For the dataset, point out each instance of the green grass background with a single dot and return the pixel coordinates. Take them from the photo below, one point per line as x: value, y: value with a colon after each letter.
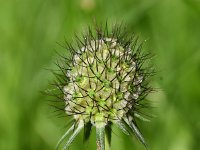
x: 29, y: 30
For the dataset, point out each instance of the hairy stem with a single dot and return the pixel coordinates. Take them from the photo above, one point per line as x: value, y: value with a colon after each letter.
x: 100, y: 138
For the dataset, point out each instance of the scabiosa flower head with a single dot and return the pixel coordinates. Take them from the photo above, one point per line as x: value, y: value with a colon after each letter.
x: 103, y: 82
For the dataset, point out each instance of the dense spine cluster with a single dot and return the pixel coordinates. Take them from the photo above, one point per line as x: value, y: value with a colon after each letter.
x: 104, y: 82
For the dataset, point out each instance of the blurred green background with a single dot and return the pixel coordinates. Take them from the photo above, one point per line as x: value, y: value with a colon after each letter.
x: 29, y: 30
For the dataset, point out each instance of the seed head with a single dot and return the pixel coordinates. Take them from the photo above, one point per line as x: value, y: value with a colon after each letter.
x: 104, y: 82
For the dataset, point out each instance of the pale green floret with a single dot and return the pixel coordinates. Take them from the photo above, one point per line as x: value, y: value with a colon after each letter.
x: 102, y: 102
x: 99, y: 120
x: 91, y: 93
x: 102, y: 83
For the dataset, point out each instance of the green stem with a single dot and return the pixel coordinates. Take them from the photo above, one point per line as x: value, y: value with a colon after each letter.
x: 100, y: 138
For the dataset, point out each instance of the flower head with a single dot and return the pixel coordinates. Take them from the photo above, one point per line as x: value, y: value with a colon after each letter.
x: 104, y: 82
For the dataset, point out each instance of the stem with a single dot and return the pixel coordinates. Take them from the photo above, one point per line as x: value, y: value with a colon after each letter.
x: 100, y: 138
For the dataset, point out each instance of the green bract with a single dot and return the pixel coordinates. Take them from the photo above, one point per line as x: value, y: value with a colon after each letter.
x: 104, y: 82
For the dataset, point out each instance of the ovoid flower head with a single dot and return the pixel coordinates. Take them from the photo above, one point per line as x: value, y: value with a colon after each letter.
x: 103, y: 82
